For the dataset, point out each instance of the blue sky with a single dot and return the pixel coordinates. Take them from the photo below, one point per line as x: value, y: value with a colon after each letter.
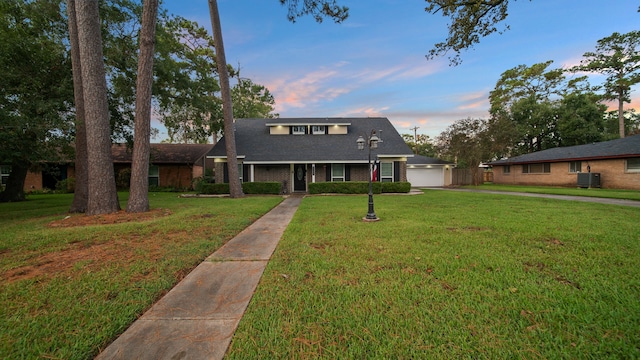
x: 374, y: 63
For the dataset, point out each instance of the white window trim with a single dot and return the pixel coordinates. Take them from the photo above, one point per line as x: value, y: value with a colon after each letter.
x: 633, y: 169
x: 156, y: 176
x: 318, y: 129
x: 338, y: 178
x: 572, y: 167
x: 295, y: 130
x: 387, y: 178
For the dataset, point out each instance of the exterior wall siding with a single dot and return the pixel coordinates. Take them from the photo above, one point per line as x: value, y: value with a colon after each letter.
x: 612, y: 175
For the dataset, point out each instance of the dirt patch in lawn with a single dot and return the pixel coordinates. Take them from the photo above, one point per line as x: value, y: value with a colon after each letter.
x: 87, y: 256
x: 106, y: 219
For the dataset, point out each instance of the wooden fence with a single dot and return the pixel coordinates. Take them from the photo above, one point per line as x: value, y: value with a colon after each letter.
x: 465, y: 176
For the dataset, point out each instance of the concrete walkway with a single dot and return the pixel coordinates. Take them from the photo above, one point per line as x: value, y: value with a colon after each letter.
x: 622, y: 202
x: 197, y: 318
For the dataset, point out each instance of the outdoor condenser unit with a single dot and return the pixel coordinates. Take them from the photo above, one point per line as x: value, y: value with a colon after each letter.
x: 589, y: 179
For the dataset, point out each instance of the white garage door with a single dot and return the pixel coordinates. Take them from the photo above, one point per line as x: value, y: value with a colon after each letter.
x: 422, y: 177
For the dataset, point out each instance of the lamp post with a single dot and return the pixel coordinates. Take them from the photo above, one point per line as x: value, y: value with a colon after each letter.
x: 371, y: 143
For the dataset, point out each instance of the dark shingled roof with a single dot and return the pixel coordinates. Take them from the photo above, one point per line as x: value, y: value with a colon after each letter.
x: 425, y: 160
x: 164, y: 153
x: 614, y: 149
x: 257, y: 145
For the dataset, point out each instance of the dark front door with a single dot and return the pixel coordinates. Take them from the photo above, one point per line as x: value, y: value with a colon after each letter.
x: 300, y: 177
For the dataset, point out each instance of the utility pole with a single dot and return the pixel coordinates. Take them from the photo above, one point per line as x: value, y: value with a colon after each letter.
x: 415, y: 139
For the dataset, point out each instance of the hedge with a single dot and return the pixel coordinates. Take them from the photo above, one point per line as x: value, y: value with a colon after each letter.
x: 248, y: 188
x: 358, y: 187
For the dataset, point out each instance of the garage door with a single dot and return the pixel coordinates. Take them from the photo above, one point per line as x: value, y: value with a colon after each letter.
x: 425, y: 177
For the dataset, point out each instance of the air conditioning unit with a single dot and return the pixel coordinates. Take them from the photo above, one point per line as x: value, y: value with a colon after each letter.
x: 589, y: 180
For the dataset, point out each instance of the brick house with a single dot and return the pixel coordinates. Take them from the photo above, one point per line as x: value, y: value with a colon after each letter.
x: 616, y: 163
x: 299, y: 151
x: 171, y: 165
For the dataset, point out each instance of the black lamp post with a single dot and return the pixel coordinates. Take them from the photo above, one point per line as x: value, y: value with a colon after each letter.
x: 372, y: 143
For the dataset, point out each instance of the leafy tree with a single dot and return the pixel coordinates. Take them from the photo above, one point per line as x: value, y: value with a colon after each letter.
x: 252, y: 100
x: 465, y: 142
x: 319, y: 9
x: 421, y: 144
x: 535, y: 123
x: 470, y: 21
x: 35, y: 89
x: 618, y: 58
x: 580, y: 119
x: 138, y: 196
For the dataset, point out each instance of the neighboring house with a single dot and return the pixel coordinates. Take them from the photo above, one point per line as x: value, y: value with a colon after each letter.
x: 617, y: 163
x: 170, y: 165
x: 423, y: 171
x: 299, y: 151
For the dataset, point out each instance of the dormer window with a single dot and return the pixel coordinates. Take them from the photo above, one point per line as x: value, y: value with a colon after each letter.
x: 318, y: 129
x: 298, y: 130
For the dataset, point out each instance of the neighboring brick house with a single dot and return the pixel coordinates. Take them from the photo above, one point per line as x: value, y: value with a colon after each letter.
x: 299, y: 151
x: 616, y: 161
x: 170, y: 165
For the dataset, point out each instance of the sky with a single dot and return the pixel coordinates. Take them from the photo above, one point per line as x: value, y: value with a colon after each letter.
x: 374, y: 63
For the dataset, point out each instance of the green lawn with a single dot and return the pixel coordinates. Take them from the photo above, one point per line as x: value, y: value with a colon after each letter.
x: 593, y: 192
x: 66, y: 292
x: 449, y: 275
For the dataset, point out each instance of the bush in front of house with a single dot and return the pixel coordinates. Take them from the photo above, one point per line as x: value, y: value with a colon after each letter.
x: 267, y: 187
x: 358, y: 187
x: 262, y: 188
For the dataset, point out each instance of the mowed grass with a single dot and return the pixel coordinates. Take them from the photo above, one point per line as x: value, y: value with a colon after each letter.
x: 449, y: 275
x: 67, y: 292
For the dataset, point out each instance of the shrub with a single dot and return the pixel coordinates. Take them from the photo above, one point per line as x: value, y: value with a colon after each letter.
x: 66, y: 186
x: 358, y: 187
x: 261, y: 188
x: 207, y: 188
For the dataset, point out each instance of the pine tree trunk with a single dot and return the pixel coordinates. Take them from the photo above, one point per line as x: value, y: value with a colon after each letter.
x: 621, y: 113
x: 103, y: 197
x: 139, y: 189
x: 235, y: 188
x: 80, y: 194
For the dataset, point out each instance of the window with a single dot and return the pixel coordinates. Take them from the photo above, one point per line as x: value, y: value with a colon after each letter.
x: 386, y: 172
x: 154, y: 175
x: 4, y: 175
x: 633, y: 165
x: 575, y: 166
x: 298, y: 130
x: 337, y: 172
x: 241, y: 172
x: 538, y: 168
x: 318, y: 129
x: 506, y: 169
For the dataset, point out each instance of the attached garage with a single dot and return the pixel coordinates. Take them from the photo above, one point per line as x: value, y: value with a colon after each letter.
x: 424, y: 171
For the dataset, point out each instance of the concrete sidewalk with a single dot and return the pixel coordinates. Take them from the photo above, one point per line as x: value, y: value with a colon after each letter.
x: 622, y: 202
x: 197, y: 318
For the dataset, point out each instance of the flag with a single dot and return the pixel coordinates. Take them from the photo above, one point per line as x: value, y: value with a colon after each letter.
x: 374, y: 172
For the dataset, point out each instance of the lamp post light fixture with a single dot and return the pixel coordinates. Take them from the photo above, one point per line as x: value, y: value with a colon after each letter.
x: 371, y: 143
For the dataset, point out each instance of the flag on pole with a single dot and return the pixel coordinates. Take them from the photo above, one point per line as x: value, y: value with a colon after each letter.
x: 374, y: 172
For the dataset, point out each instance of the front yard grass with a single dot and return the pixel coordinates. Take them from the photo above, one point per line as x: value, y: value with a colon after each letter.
x: 574, y: 191
x: 68, y: 291
x: 449, y: 275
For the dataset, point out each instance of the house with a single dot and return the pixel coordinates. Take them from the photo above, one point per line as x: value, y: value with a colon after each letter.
x: 423, y: 171
x: 299, y: 151
x: 617, y: 163
x: 171, y: 165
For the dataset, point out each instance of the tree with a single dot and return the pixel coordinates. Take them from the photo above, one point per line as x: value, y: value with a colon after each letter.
x: 139, y: 188
x: 618, y: 58
x: 235, y: 187
x: 103, y: 197
x: 421, y: 144
x: 81, y: 191
x: 470, y: 21
x: 465, y: 142
x: 252, y: 100
x: 36, y: 91
x: 580, y: 119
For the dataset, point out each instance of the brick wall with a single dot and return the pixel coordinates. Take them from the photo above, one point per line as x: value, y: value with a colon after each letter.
x: 612, y: 175
x: 33, y: 181
x: 177, y: 176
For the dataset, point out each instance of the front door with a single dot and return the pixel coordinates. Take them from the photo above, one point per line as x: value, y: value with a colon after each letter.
x: 300, y: 177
